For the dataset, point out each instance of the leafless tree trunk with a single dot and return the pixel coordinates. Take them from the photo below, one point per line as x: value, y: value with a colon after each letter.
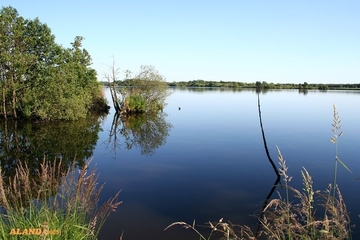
x: 112, y: 78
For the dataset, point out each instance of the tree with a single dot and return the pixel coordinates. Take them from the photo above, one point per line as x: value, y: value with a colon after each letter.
x: 145, y: 92
x: 258, y: 84
x: 112, y: 78
x: 15, y: 58
x: 323, y: 87
x: 151, y: 88
x: 39, y: 78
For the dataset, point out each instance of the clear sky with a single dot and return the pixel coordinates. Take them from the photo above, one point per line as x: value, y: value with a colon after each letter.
x: 317, y: 41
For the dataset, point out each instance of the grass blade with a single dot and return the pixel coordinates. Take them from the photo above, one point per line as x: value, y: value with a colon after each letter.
x: 342, y: 163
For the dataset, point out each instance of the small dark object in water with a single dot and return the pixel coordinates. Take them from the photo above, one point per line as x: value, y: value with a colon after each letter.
x: 179, y: 108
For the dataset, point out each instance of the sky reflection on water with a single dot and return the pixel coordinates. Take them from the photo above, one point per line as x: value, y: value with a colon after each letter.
x: 214, y: 165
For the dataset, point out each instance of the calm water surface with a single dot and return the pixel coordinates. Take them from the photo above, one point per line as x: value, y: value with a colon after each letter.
x: 211, y: 162
x: 204, y: 162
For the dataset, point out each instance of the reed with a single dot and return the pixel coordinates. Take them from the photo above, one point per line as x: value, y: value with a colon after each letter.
x: 297, y: 219
x: 41, y: 208
x: 227, y: 231
x: 335, y: 139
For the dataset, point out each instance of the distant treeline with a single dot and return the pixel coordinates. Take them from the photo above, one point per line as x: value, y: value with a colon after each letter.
x: 264, y: 85
x: 258, y: 84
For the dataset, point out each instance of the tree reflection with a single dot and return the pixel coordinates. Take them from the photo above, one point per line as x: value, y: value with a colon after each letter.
x: 30, y: 143
x: 145, y: 131
x: 303, y: 91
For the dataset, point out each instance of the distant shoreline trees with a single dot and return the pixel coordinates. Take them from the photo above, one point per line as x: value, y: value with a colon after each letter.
x: 265, y: 85
x: 41, y: 79
x: 262, y: 85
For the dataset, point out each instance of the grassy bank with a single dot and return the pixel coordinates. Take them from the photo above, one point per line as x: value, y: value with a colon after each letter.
x: 52, y: 203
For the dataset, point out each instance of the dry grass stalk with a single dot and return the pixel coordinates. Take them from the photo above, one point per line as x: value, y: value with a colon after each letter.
x: 18, y: 192
x: 287, y: 220
x: 227, y: 231
x: 79, y: 192
x: 284, y: 219
x: 33, y: 198
x: 336, y: 126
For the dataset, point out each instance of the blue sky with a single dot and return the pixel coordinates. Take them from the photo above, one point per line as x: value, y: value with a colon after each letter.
x: 274, y: 41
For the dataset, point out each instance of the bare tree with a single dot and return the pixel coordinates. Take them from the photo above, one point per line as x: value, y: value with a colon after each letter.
x: 112, y: 77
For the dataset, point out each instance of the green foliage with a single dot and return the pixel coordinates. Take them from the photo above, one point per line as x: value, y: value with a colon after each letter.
x: 136, y: 103
x: 323, y: 87
x: 39, y: 78
x: 151, y: 86
x: 145, y: 92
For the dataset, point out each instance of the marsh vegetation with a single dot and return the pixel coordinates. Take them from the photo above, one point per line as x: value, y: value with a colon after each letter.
x: 54, y: 202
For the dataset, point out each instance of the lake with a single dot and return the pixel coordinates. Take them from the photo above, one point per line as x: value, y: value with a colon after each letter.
x: 213, y: 164
x: 207, y: 160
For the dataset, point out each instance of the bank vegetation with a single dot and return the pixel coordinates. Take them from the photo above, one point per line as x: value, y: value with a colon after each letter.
x: 39, y: 78
x: 58, y: 202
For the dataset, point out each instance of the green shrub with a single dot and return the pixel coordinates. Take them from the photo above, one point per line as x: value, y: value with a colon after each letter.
x: 136, y: 103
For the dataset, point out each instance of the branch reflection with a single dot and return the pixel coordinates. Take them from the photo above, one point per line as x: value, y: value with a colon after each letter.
x: 277, y: 180
x: 144, y: 131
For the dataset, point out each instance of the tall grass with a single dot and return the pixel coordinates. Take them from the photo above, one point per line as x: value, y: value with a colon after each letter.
x: 298, y: 219
x: 39, y: 208
x: 335, y: 139
x: 298, y: 214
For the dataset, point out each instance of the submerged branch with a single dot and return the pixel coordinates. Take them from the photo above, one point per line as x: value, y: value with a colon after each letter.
x: 265, y: 145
